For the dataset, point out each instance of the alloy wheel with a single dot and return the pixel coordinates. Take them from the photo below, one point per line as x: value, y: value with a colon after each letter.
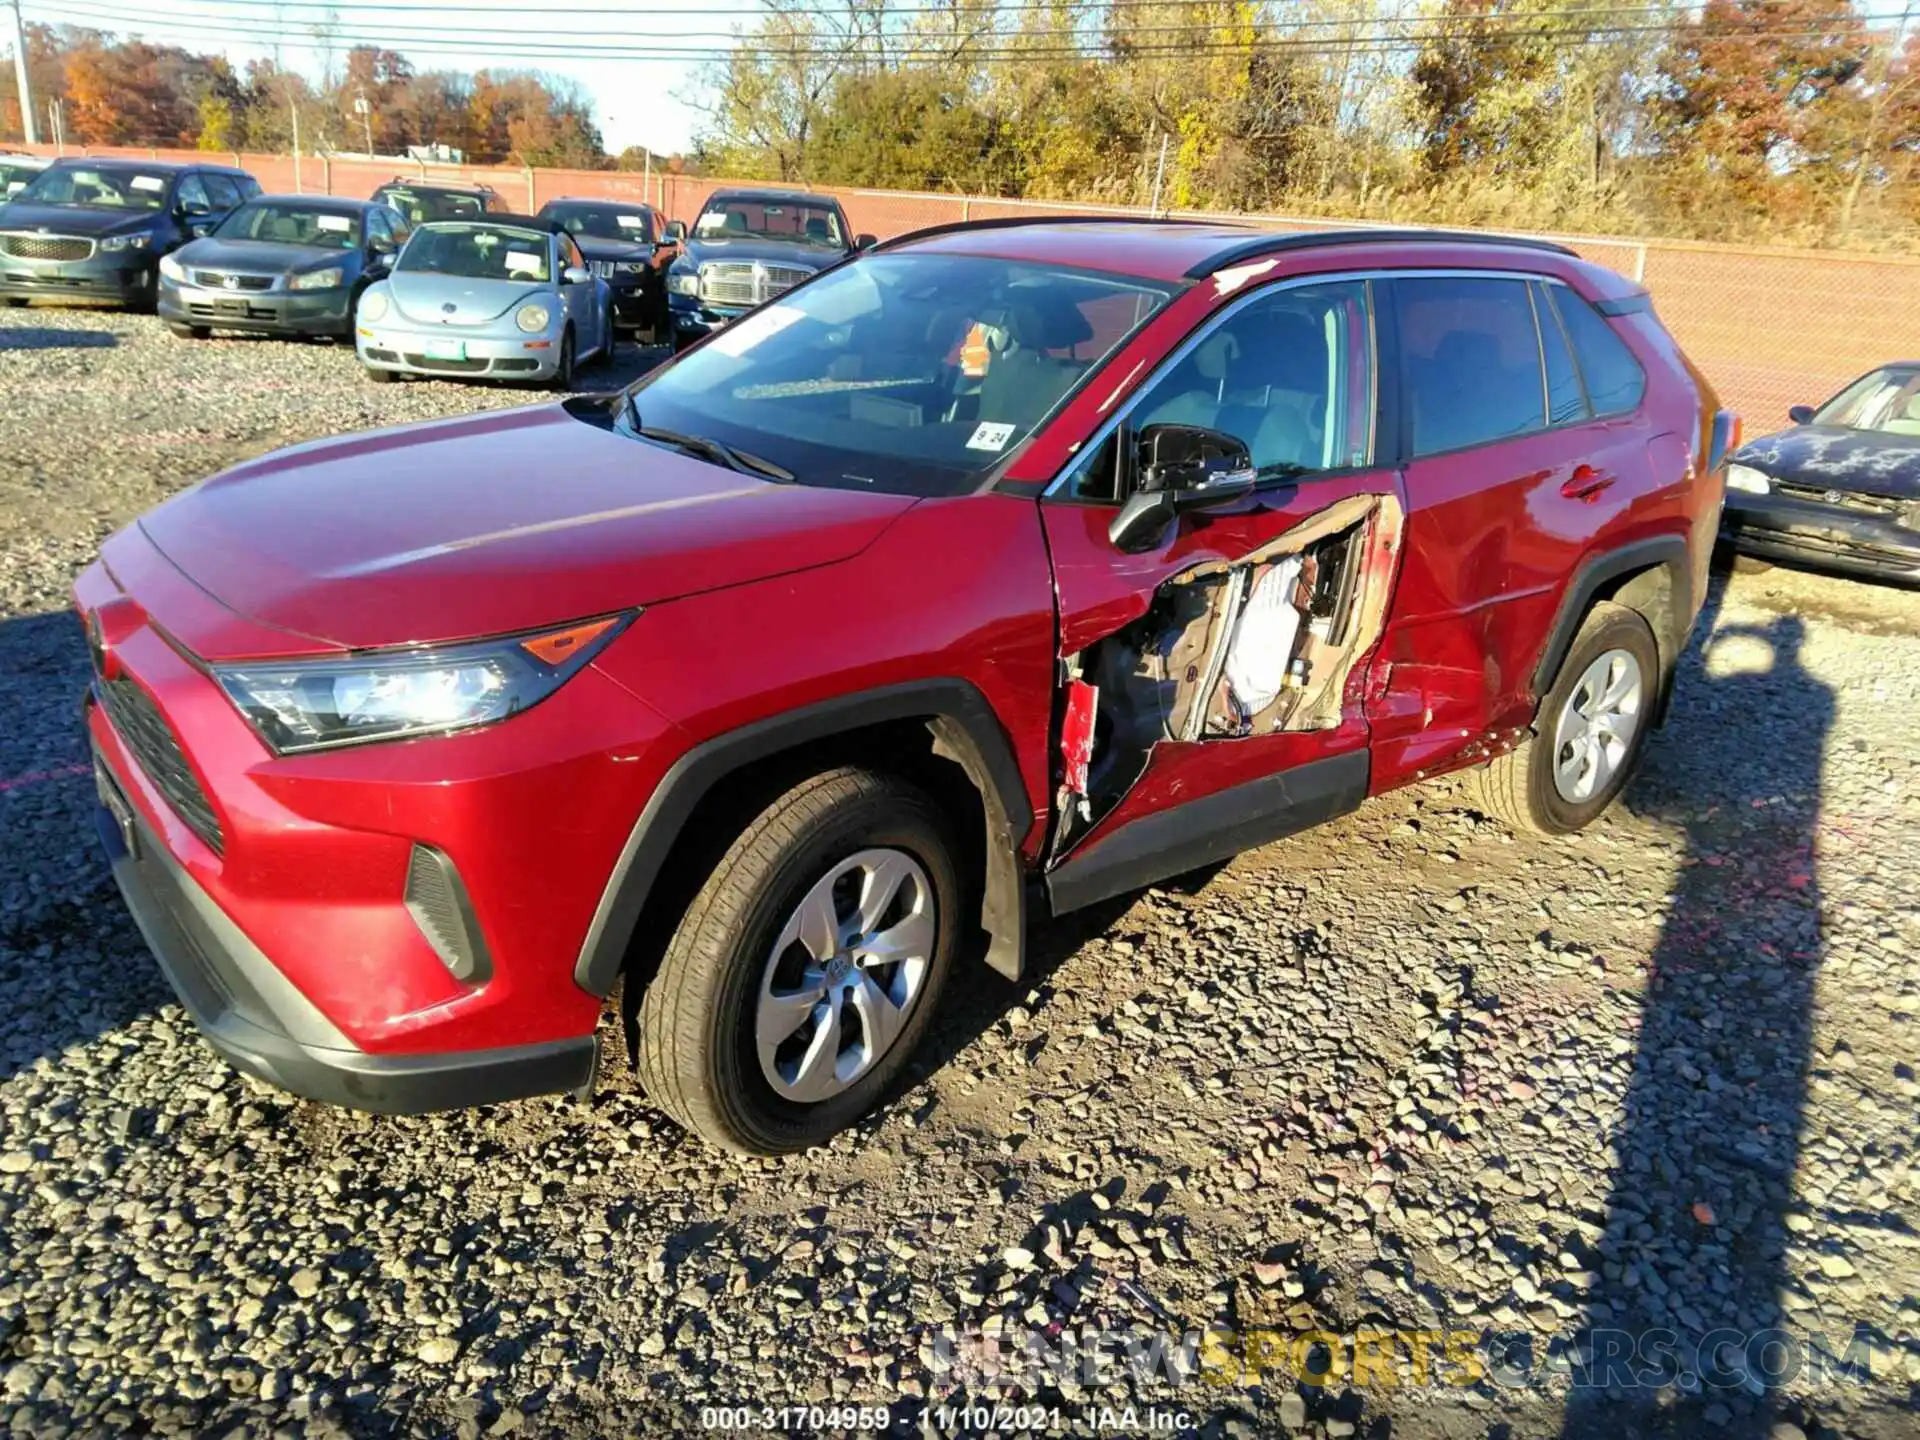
x: 844, y: 974
x: 1596, y: 729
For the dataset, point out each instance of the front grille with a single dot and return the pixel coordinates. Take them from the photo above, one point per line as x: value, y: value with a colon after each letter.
x: 46, y: 247
x: 737, y: 282
x: 231, y: 310
x: 222, y: 280
x: 145, y: 732
x: 451, y: 367
x: 1839, y: 499
x: 605, y: 269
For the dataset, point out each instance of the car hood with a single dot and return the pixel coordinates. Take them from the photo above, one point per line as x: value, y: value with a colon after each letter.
x: 773, y: 252
x: 596, y: 248
x: 487, y: 525
x: 258, y: 257
x: 1833, y: 457
x: 76, y: 219
x: 429, y: 299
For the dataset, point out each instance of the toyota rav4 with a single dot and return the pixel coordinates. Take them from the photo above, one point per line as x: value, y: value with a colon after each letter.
x: 994, y: 572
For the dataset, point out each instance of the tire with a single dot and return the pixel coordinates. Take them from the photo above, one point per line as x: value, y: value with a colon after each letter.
x: 603, y: 357
x: 1521, y: 787
x: 698, y: 1050
x: 17, y: 302
x: 188, y: 332
x: 379, y: 376
x: 563, y: 374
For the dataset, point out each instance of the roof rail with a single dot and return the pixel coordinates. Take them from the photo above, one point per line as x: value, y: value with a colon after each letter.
x: 1314, y: 239
x: 1010, y: 222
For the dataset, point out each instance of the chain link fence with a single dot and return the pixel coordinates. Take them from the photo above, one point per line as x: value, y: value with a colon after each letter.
x: 1769, y: 327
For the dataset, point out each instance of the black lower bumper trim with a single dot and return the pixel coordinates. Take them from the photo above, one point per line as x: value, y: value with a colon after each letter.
x: 217, y: 974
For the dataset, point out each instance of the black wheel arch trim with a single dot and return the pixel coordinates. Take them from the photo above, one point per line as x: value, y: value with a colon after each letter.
x: 1668, y: 552
x: 964, y: 728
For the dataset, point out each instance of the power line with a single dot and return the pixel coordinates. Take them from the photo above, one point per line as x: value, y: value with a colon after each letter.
x: 1004, y: 46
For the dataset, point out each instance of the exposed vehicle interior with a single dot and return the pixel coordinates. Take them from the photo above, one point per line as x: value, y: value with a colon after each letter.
x: 729, y: 218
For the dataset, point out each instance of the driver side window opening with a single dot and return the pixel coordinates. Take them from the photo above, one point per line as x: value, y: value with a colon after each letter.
x: 1289, y: 374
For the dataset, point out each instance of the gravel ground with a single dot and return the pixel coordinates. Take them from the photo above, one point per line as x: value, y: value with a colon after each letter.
x: 1407, y: 1072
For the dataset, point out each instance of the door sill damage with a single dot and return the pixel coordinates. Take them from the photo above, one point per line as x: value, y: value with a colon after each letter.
x: 1230, y: 650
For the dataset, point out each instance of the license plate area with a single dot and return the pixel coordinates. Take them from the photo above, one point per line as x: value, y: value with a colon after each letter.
x: 118, y: 806
x: 445, y: 350
x: 230, y: 307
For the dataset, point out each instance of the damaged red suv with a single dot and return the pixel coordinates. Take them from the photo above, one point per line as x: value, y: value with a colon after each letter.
x: 997, y: 571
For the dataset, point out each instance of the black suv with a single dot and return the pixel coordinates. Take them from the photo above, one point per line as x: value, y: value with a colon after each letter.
x: 749, y: 246
x: 420, y: 202
x: 96, y: 229
x: 627, y: 246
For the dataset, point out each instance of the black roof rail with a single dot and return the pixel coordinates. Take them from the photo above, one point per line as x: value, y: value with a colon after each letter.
x: 1010, y: 222
x: 1314, y: 239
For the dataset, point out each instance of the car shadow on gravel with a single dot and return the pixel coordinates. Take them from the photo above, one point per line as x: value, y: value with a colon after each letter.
x: 54, y: 337
x: 72, y: 966
x: 1692, y: 1280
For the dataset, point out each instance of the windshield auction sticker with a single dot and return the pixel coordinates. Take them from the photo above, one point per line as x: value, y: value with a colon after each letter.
x: 989, y: 435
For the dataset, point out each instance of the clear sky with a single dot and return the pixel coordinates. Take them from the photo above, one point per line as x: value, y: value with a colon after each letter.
x: 613, y: 48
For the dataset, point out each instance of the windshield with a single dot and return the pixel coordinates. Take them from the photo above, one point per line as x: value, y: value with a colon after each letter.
x: 422, y: 205
x: 478, y: 252
x: 603, y: 222
x: 103, y: 188
x: 738, y: 218
x: 14, y: 177
x: 1887, y: 400
x: 279, y: 223
x: 908, y: 373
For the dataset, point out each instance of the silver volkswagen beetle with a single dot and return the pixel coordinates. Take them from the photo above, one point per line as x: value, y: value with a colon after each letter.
x: 499, y: 297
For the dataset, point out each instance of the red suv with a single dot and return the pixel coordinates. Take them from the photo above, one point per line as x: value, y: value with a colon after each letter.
x: 994, y: 572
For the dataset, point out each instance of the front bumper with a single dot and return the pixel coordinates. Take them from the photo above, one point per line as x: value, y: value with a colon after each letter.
x: 403, y: 349
x: 1783, y: 527
x: 259, y: 1023
x: 275, y: 312
x: 115, y: 278
x: 694, y: 320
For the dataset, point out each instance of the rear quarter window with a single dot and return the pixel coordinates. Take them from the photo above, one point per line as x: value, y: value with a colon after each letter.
x: 1615, y: 381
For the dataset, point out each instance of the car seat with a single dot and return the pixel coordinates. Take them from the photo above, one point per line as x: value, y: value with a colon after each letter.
x: 1457, y: 394
x: 1906, y: 421
x: 1287, y: 424
x: 1199, y: 385
x: 734, y: 224
x: 1023, y: 381
x: 816, y: 229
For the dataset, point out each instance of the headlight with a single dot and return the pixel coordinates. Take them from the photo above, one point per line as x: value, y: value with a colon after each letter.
x: 1745, y: 477
x: 373, y: 306
x: 327, y: 279
x: 172, y: 268
x: 299, y: 705
x: 684, y: 282
x: 115, y: 243
x: 532, y: 318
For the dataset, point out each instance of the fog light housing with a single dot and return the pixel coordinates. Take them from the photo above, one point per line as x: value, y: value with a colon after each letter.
x: 438, y: 903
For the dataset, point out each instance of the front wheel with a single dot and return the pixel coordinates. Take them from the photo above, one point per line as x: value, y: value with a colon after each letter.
x: 564, y: 370
x: 807, y: 968
x: 1591, y: 729
x: 379, y: 376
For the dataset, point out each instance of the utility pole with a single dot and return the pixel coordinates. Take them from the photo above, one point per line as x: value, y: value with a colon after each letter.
x: 29, y: 122
x: 365, y: 107
x: 1159, y: 171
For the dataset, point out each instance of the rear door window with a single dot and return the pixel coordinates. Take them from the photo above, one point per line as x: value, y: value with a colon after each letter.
x: 1566, y: 398
x: 1470, y: 360
x: 1615, y: 381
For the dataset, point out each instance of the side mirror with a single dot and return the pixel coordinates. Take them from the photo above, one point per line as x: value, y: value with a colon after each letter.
x: 864, y: 242
x: 676, y: 231
x: 1800, y: 414
x: 1180, y: 468
x: 575, y: 275
x: 380, y: 246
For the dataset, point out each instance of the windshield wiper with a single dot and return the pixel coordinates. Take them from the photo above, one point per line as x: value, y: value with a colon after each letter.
x: 741, y: 460
x: 1281, y: 470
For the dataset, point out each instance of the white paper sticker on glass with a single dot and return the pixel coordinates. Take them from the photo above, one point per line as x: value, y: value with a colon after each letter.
x: 988, y: 435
